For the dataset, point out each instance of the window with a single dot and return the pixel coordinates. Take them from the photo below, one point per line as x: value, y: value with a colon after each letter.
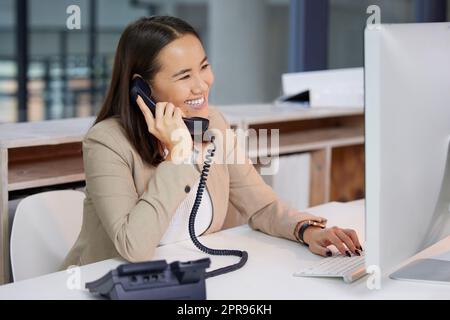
x: 8, y: 85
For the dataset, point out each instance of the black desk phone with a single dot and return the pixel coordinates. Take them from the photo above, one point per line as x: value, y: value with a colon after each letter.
x: 154, y: 280
x: 157, y: 279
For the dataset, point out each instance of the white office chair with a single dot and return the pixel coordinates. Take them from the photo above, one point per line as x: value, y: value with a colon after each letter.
x: 45, y: 227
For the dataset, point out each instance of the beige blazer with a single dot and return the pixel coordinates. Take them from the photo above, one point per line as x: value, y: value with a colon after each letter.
x: 129, y: 204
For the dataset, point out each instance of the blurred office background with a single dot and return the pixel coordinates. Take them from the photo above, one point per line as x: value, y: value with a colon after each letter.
x: 48, y: 71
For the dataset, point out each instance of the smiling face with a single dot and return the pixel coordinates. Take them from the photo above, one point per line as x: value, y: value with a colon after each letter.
x: 185, y: 76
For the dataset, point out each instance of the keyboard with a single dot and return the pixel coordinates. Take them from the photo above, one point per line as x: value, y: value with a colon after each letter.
x: 339, y: 266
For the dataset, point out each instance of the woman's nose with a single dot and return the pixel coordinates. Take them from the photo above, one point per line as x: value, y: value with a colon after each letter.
x: 200, y: 86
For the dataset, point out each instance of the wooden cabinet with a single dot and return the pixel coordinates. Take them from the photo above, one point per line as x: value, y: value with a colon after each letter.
x: 334, y: 137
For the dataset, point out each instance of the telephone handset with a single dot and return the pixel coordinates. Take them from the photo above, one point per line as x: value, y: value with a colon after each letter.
x: 140, y: 88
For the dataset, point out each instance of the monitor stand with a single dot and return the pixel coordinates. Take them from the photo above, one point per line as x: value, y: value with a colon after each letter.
x: 425, y: 270
x: 434, y: 269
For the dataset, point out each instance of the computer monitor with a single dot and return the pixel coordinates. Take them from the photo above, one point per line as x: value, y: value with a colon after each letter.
x: 407, y: 124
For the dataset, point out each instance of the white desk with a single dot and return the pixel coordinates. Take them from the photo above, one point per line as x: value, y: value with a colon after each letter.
x: 267, y: 274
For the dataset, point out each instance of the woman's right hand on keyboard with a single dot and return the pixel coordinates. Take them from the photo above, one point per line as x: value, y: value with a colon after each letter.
x: 345, y: 240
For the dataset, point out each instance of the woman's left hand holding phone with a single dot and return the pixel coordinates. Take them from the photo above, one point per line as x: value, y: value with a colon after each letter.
x: 168, y: 127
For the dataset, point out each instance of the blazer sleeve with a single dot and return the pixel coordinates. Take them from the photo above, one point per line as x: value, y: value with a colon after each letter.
x: 257, y: 201
x: 134, y: 223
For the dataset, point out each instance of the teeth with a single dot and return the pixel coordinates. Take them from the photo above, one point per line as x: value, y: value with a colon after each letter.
x: 196, y: 101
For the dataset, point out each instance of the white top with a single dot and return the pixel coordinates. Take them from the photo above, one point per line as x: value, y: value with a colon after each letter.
x: 178, y: 229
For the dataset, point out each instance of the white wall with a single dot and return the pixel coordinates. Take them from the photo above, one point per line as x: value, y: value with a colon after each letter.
x: 248, y: 49
x: 237, y: 50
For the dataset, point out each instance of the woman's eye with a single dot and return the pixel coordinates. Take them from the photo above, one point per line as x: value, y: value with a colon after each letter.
x: 187, y: 76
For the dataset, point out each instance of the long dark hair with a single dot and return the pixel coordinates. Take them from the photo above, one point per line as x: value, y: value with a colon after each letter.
x: 138, y: 47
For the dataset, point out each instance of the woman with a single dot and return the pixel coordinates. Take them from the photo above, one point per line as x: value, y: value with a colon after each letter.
x: 137, y: 196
